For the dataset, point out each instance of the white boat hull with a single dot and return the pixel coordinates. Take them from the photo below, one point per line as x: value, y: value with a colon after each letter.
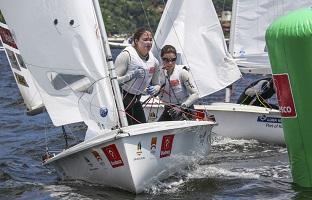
x: 246, y: 122
x: 134, y: 159
x: 236, y: 120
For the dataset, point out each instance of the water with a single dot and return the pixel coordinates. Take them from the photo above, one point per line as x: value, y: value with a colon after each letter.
x: 235, y: 169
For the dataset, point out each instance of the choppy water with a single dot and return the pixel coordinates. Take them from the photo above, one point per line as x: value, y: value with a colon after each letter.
x: 235, y: 169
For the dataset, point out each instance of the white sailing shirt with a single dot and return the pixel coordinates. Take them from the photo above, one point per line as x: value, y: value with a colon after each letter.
x: 174, y: 91
x: 150, y: 66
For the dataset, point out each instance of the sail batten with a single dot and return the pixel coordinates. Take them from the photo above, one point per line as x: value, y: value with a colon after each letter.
x: 64, y: 52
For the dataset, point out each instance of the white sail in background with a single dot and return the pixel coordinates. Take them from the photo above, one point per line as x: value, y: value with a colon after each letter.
x: 250, y: 19
x: 200, y: 42
x: 23, y: 78
x: 64, y: 53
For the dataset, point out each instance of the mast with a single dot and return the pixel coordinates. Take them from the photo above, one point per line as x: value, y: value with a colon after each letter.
x: 111, y: 68
x: 233, y: 26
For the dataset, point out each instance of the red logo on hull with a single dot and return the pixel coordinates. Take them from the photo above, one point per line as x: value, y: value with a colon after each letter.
x: 284, y: 95
x: 166, y: 145
x: 113, y: 155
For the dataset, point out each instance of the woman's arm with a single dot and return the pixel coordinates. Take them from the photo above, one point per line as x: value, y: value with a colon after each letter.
x: 121, y: 65
x: 191, y: 88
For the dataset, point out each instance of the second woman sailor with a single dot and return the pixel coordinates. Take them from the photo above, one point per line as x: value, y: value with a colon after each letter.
x: 179, y: 92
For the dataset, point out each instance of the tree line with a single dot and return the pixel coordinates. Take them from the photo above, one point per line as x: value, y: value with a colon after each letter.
x: 124, y: 16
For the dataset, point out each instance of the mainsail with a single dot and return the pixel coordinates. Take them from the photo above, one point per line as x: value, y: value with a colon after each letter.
x: 200, y: 42
x: 250, y: 19
x: 65, y: 56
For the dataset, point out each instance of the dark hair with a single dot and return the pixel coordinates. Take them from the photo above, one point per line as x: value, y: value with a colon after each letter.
x: 139, y: 32
x: 168, y: 49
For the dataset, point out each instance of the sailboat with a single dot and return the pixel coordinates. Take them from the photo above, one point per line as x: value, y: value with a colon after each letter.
x: 65, y: 47
x: 23, y: 78
x: 194, y: 29
x: 250, y: 19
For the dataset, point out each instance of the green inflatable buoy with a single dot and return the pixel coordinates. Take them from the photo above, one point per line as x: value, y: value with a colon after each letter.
x: 289, y: 42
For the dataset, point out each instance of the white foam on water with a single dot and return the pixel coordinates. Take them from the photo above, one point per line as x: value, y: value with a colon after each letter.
x: 176, y: 183
x: 64, y: 192
x: 216, y: 172
x: 220, y: 140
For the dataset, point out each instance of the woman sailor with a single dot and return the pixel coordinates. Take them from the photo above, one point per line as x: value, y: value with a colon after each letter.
x: 179, y: 91
x: 138, y: 71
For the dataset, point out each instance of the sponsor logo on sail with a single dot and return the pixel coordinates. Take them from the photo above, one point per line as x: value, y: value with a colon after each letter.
x: 7, y: 37
x: 285, y: 96
x: 113, y: 155
x: 166, y: 145
x: 103, y: 111
x: 153, y: 144
x: 21, y: 79
x: 12, y: 59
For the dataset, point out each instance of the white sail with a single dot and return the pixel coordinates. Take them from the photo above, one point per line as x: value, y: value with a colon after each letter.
x: 64, y: 52
x: 23, y: 78
x: 200, y: 42
x: 250, y: 19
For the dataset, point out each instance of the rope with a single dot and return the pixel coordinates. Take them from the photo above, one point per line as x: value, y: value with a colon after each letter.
x: 263, y: 102
x: 146, y: 15
x: 132, y: 117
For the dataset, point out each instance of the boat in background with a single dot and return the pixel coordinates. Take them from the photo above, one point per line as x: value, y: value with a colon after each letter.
x: 24, y: 80
x: 201, y: 46
x: 250, y: 19
x: 257, y: 123
x: 65, y: 48
x: 120, y: 43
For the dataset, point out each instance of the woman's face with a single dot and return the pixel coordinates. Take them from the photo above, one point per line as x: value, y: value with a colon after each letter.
x: 144, y: 44
x: 169, y: 61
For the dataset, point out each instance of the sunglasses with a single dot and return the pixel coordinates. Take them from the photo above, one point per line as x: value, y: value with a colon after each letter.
x: 169, y: 59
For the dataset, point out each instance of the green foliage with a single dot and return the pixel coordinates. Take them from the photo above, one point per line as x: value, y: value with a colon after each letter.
x: 124, y: 16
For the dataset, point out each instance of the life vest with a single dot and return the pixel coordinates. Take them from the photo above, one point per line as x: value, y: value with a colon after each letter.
x: 174, y: 91
x: 136, y: 86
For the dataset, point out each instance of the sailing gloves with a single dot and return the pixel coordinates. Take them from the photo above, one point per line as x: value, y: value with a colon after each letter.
x: 138, y: 73
x: 177, y: 112
x: 152, y: 89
